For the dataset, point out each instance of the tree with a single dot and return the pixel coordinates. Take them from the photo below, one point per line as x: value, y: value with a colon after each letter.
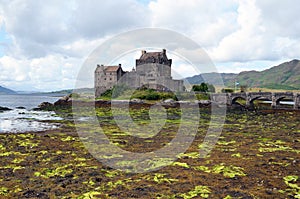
x: 203, y: 87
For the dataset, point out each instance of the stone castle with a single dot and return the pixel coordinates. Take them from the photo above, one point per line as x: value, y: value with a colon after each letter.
x: 153, y: 70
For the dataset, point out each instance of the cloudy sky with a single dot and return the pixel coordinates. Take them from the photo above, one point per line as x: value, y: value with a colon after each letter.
x: 44, y: 44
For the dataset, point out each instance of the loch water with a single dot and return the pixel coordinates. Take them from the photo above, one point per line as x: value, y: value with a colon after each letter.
x: 22, y: 118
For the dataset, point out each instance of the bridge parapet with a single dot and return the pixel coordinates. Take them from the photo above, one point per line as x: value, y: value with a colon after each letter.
x: 250, y: 97
x: 259, y: 95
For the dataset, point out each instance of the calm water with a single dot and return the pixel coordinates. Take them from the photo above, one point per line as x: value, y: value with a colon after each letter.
x: 21, y: 120
x: 27, y: 101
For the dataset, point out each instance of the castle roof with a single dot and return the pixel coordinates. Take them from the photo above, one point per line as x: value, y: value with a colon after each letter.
x: 154, y: 57
x: 148, y: 55
x: 112, y: 68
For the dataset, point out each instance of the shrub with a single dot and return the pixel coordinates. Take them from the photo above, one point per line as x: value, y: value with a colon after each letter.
x: 227, y: 90
x: 204, y: 87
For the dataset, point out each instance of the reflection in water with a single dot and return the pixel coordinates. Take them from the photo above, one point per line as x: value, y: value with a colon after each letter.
x: 17, y: 120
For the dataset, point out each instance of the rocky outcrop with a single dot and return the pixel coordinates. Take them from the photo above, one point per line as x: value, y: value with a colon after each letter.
x: 4, y: 109
x: 44, y: 106
x: 64, y: 101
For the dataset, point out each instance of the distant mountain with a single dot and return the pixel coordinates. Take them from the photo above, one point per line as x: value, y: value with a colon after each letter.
x: 69, y: 91
x: 211, y: 78
x: 284, y: 76
x: 4, y: 90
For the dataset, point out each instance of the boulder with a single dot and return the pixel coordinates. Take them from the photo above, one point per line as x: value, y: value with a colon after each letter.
x: 136, y: 101
x: 44, y: 106
x: 64, y: 101
x: 169, y: 101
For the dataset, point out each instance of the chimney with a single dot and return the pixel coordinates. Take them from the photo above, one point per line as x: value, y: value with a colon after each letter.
x: 164, y: 51
x: 143, y: 52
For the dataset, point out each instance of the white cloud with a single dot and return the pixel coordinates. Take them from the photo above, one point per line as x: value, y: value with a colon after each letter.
x: 48, y: 42
x: 40, y: 28
x: 47, y: 73
x: 204, y: 21
x: 260, y: 35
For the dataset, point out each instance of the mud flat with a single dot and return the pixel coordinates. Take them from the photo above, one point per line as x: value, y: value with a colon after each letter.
x: 256, y: 156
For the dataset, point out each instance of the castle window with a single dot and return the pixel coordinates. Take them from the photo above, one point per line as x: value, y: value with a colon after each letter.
x: 109, y: 78
x: 110, y: 73
x: 104, y: 78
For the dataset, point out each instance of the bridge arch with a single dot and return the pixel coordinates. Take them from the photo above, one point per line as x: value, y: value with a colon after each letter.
x: 234, y: 99
x: 266, y: 98
x: 275, y: 98
x: 279, y: 99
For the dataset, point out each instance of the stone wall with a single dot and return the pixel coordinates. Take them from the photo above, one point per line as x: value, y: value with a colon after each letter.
x: 152, y: 70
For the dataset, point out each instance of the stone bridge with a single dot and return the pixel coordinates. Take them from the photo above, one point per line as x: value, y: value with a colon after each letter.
x: 250, y: 97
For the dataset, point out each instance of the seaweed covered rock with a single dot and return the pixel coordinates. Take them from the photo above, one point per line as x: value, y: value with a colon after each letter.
x: 4, y: 109
x: 45, y: 106
x: 64, y: 101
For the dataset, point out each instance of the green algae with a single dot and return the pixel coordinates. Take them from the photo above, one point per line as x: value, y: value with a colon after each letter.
x: 181, y: 164
x: 160, y: 178
x: 90, y: 182
x: 293, y: 188
x: 4, y: 191
x: 2, y: 148
x: 273, y: 146
x: 18, y: 160
x: 111, y: 174
x: 59, y: 171
x: 68, y: 138
x: 112, y: 185
x: 13, y: 167
x: 238, y: 155
x: 8, y: 153
x: 228, y: 171
x: 192, y: 155
x: 225, y: 143
x: 202, y: 168
x: 202, y: 191
x: 91, y: 194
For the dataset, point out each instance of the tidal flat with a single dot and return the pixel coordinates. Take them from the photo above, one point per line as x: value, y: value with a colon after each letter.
x: 256, y: 156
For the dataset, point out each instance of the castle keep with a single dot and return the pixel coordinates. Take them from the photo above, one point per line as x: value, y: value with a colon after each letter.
x: 152, y: 70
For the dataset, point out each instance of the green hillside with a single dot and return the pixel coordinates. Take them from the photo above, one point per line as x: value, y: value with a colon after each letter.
x: 284, y: 76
